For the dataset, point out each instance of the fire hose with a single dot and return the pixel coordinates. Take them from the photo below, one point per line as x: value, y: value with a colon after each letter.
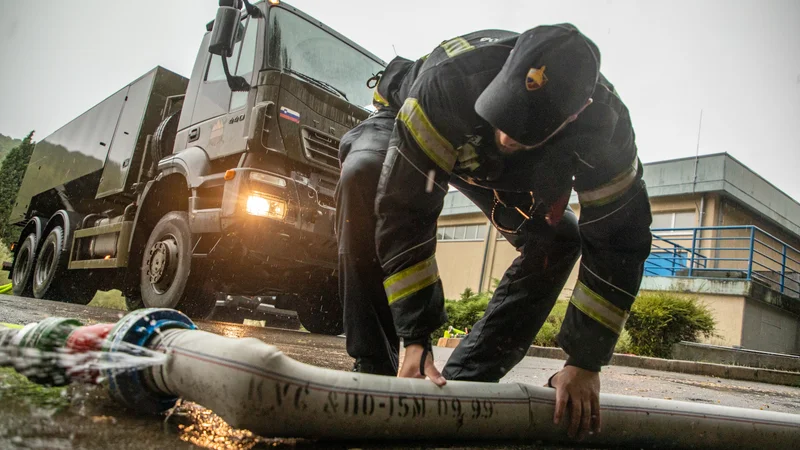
x: 253, y: 385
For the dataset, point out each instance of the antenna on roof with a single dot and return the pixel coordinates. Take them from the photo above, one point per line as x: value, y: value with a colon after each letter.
x: 697, y: 150
x: 699, y: 129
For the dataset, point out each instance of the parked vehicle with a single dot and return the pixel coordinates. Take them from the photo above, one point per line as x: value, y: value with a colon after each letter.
x: 212, y: 191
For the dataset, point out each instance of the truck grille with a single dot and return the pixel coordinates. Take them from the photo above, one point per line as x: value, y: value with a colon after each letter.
x: 321, y: 148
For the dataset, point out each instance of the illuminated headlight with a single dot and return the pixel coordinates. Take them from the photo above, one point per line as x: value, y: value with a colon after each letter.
x: 259, y: 204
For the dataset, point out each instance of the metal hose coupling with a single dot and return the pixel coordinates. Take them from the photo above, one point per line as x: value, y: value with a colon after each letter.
x: 133, y: 388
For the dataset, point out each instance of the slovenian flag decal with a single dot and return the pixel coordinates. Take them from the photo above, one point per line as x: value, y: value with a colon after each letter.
x: 288, y: 114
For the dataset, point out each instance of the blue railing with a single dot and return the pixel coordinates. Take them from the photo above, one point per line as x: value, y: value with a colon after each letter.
x: 731, y: 253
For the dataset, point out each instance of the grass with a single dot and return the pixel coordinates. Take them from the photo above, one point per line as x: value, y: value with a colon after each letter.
x: 109, y: 299
x: 14, y: 386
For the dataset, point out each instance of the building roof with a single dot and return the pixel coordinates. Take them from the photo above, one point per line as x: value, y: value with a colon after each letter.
x: 720, y: 173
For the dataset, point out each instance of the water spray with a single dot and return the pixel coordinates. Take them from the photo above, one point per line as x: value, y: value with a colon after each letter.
x: 255, y: 386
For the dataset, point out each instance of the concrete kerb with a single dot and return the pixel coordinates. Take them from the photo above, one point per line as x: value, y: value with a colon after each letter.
x: 670, y: 365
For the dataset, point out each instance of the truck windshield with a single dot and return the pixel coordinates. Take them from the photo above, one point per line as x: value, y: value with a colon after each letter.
x: 301, y: 46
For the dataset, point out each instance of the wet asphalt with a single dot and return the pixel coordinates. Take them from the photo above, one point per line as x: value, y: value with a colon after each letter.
x: 94, y: 421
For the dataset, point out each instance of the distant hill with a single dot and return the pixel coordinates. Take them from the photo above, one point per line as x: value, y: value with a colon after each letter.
x: 6, y: 144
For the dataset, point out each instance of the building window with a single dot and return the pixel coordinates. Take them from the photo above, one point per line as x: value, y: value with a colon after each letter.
x: 461, y: 233
x: 672, y: 220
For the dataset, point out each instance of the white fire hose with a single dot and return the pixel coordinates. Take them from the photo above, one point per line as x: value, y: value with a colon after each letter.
x: 255, y: 386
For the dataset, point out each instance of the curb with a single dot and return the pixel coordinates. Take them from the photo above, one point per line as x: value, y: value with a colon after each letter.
x: 670, y: 365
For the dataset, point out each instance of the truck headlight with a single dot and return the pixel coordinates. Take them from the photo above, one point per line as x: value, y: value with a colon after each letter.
x: 259, y: 204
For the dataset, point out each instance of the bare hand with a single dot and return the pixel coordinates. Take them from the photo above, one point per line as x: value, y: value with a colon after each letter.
x: 578, y: 389
x: 410, y: 368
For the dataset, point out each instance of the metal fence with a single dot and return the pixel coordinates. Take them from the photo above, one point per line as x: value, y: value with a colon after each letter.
x: 730, y: 253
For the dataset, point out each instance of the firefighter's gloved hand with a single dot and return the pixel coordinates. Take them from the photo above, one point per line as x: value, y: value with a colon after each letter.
x: 579, y: 391
x: 418, y: 363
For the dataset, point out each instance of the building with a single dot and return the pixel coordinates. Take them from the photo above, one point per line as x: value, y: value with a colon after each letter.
x: 720, y: 232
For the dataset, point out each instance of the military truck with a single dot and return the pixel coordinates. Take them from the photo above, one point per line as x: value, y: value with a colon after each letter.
x: 204, y: 193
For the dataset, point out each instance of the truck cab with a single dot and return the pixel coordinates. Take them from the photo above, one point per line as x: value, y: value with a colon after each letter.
x: 226, y: 202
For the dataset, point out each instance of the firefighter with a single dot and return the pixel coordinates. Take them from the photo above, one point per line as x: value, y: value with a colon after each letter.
x: 368, y: 324
x: 515, y: 125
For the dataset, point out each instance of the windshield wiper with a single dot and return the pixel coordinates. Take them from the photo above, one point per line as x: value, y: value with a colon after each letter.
x: 320, y: 83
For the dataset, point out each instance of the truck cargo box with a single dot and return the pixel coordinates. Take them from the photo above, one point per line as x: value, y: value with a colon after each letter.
x: 103, y: 147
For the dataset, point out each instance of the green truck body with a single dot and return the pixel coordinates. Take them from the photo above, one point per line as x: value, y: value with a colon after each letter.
x: 188, y: 194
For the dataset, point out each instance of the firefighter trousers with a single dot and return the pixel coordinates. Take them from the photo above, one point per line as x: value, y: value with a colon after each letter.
x: 525, y: 295
x: 368, y: 323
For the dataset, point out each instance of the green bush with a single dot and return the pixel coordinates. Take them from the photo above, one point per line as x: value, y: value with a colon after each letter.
x: 463, y: 312
x: 547, y: 334
x: 624, y: 343
x: 657, y: 321
x: 660, y: 319
x: 468, y: 309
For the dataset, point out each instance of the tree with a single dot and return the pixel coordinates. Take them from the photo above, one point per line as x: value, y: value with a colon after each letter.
x: 11, y: 173
x: 6, y: 144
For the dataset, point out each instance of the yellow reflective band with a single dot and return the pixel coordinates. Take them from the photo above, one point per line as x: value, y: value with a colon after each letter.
x: 598, y: 308
x: 456, y: 46
x: 377, y: 97
x: 411, y: 280
x: 612, y: 190
x: 430, y: 141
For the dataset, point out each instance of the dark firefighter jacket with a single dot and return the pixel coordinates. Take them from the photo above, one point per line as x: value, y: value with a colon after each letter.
x: 438, y: 136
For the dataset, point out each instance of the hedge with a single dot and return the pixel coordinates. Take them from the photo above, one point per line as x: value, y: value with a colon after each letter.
x: 657, y: 321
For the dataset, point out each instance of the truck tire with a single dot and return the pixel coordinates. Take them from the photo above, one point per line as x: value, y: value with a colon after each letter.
x: 24, y: 263
x: 51, y: 279
x: 321, y: 313
x: 169, y: 277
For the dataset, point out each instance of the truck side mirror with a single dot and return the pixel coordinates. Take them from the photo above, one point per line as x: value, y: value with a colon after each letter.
x: 226, y: 31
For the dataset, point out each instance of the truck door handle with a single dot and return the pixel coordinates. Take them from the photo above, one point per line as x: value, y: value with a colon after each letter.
x: 194, y: 133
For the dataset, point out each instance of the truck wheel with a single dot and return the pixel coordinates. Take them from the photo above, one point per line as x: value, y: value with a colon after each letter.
x: 23, y: 267
x: 321, y: 313
x: 51, y: 278
x: 169, y: 279
x: 50, y: 265
x: 50, y: 271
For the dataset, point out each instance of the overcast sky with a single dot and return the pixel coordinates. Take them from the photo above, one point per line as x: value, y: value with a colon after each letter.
x: 737, y: 60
